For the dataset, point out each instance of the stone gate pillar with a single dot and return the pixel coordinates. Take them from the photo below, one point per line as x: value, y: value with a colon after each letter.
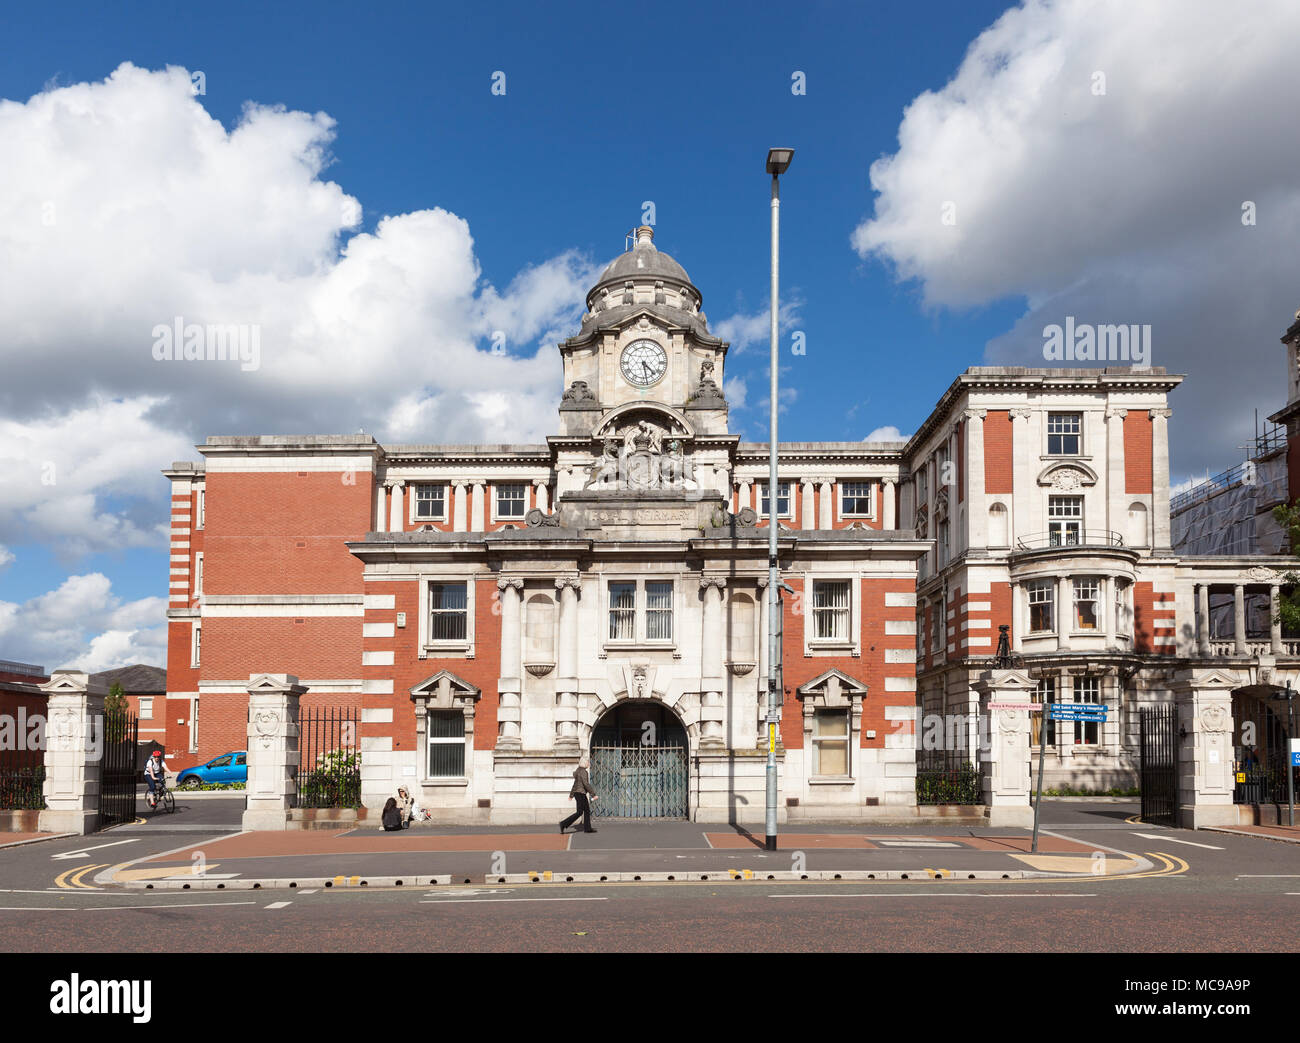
x: 273, y: 752
x: 1203, y: 699
x: 74, y: 752
x: 1004, y: 747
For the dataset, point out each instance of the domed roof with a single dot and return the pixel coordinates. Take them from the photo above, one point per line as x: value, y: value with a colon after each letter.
x: 643, y: 261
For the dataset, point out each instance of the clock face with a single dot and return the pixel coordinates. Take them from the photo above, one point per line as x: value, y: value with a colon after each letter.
x: 643, y: 363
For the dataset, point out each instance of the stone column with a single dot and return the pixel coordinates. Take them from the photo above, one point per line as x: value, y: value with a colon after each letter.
x: 1203, y: 619
x: 566, y: 680
x: 824, y: 515
x: 977, y: 515
x: 396, y: 514
x: 273, y: 752
x: 1028, y: 507
x: 887, y: 513
x: 1205, y: 769
x: 746, y: 497
x: 1239, y: 619
x: 1160, y: 477
x: 381, y: 508
x: 712, y: 681
x: 458, y: 523
x: 1064, y: 610
x: 510, y: 683
x: 1019, y: 616
x: 476, y: 508
x: 1113, y: 476
x: 1004, y: 752
x: 74, y: 752
x: 540, y: 485
x: 807, y: 518
x: 1275, y: 621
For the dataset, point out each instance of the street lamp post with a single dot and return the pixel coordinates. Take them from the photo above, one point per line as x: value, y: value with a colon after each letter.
x: 778, y: 161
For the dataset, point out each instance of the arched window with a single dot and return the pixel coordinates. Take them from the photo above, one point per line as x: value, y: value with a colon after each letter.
x: 539, y: 625
x: 740, y: 628
x: 999, y: 532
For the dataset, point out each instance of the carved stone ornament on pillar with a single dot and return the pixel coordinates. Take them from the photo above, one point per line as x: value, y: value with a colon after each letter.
x: 1004, y: 753
x: 73, y: 753
x: 273, y: 751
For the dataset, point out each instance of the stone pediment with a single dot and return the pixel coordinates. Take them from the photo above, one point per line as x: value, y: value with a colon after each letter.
x: 834, y: 687
x: 444, y: 691
x: 1067, y: 476
x: 676, y: 422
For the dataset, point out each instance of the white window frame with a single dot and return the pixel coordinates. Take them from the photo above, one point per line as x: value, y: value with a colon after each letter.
x: 429, y: 646
x: 198, y: 573
x: 196, y: 643
x: 1081, y: 727
x: 1047, y: 428
x: 201, y: 508
x: 870, y: 513
x: 1098, y: 608
x: 1030, y: 587
x: 1123, y: 607
x: 497, y: 516
x: 847, y: 738
x: 1046, y: 686
x: 431, y: 740
x: 828, y: 645
x: 145, y: 709
x: 414, y: 518
x: 640, y: 624
x: 789, y: 498
x: 1064, y: 519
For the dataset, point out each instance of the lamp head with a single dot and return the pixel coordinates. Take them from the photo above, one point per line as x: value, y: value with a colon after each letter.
x: 778, y: 160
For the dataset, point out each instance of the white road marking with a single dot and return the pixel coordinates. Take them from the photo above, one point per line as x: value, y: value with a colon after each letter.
x: 83, y: 852
x: 943, y: 894
x: 101, y: 908
x: 309, y: 891
x: 1171, y: 840
x: 449, y: 901
x: 1268, y: 876
x: 278, y: 905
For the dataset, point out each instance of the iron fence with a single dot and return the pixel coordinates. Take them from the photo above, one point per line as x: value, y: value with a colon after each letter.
x: 639, y: 781
x: 947, y: 777
x: 120, y: 777
x: 329, y: 765
x: 22, y: 780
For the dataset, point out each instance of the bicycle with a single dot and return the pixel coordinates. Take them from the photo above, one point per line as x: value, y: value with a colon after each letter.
x: 163, y: 796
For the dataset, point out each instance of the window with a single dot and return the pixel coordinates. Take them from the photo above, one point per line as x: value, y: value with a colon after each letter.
x: 1040, y: 605
x: 937, y: 644
x: 626, y: 597
x: 446, y: 729
x: 659, y: 611
x: 1046, y: 694
x: 922, y: 488
x: 198, y: 640
x: 1086, y: 596
x: 512, y: 501
x: 198, y: 573
x: 430, y: 502
x: 1063, y: 431
x: 1086, y: 690
x: 1065, y: 520
x: 831, y: 742
x: 1123, y: 615
x: 199, y: 523
x: 146, y: 707
x: 622, y: 611
x: 830, y: 610
x: 241, y: 760
x: 448, y: 612
x: 855, y: 500
x: 782, y: 500
x: 941, y: 542
x: 220, y: 762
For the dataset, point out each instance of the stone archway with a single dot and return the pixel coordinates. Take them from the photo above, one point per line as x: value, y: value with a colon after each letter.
x: 640, y: 761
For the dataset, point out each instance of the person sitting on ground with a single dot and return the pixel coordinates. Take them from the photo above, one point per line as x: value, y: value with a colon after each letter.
x: 406, y: 806
x: 392, y: 817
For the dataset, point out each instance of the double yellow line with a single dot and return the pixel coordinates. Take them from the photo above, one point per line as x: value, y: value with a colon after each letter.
x: 72, y: 878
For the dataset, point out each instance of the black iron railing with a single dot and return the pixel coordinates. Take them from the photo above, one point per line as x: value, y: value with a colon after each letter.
x: 1081, y: 538
x: 947, y: 778
x: 22, y: 781
x: 329, y: 765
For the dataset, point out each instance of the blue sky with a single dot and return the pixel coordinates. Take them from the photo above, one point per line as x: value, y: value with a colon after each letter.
x: 608, y: 107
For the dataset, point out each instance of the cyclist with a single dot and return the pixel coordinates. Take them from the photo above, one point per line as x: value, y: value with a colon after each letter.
x: 155, y: 774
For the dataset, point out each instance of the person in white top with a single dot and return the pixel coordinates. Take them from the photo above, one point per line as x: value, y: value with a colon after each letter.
x: 155, y: 773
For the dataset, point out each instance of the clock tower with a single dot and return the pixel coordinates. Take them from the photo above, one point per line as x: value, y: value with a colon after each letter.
x: 644, y: 341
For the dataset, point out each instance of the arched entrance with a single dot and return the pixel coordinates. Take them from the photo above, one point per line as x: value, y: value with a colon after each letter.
x: 639, y: 762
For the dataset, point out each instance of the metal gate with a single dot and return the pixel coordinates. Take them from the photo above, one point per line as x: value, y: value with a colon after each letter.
x: 639, y: 781
x: 1159, y: 768
x: 119, y: 778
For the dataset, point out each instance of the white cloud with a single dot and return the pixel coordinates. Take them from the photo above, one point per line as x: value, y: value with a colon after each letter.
x: 735, y: 390
x: 125, y: 205
x: 83, y: 624
x: 747, y: 329
x: 888, y: 433
x: 1122, y: 207
x: 6, y: 556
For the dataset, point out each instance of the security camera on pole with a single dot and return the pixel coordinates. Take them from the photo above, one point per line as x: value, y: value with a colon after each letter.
x: 778, y: 161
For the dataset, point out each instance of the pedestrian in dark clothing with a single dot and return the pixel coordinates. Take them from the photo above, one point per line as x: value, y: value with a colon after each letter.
x: 392, y: 817
x: 580, y: 791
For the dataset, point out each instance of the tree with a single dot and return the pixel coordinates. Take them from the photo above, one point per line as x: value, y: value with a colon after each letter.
x: 116, y: 710
x: 1288, y: 517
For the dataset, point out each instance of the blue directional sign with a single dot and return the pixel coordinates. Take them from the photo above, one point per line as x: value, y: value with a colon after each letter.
x: 1295, y: 758
x: 1087, y: 712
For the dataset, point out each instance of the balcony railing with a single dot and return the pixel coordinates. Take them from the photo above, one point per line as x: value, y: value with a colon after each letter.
x: 1254, y: 647
x: 1083, y: 538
